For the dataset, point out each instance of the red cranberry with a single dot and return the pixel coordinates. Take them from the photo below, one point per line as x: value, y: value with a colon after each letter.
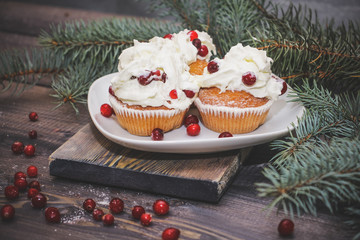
x: 89, y: 205
x: 225, y: 134
x: 191, y: 119
x: 111, y: 91
x: 52, y: 215
x: 33, y: 134
x: 161, y: 207
x: 98, y: 214
x: 163, y: 77
x: 11, y: 192
x: 156, y: 73
x: 193, y: 34
x: 32, y: 192
x: 249, y: 78
x: 145, y: 219
x: 106, y: 110
x: 29, y: 150
x: 284, y: 88
x: 157, y: 134
x: 170, y: 234
x: 19, y: 175
x: 108, y: 219
x: 7, y: 212
x: 21, y: 183
x: 137, y: 211
x: 197, y: 43
x: 212, y: 67
x: 173, y: 94
x: 144, y: 80
x: 17, y: 147
x: 168, y: 36
x: 189, y: 93
x: 203, y: 51
x: 193, y: 129
x: 116, y: 205
x: 33, y: 116
x: 32, y: 171
x: 35, y: 184
x: 38, y: 201
x: 286, y: 227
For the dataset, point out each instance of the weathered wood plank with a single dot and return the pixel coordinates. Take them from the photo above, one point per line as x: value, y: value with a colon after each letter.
x: 89, y: 156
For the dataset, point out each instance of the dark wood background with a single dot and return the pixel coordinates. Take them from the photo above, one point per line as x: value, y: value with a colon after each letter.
x: 238, y: 215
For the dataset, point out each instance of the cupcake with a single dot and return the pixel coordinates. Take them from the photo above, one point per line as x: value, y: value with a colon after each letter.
x: 196, y: 47
x: 237, y: 92
x: 153, y: 88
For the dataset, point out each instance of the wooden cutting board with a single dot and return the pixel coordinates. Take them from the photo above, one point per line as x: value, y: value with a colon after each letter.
x: 89, y: 156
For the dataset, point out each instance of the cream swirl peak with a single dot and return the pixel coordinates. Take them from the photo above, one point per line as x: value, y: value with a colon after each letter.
x: 154, y: 74
x: 239, y: 63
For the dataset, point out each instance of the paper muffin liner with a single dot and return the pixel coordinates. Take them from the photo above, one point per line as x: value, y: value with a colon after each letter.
x: 141, y: 122
x: 230, y: 119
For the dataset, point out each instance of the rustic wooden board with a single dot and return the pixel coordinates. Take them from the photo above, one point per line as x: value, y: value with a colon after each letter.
x: 89, y: 156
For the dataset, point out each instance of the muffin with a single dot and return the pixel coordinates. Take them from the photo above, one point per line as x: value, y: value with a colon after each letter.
x: 237, y: 92
x: 153, y: 88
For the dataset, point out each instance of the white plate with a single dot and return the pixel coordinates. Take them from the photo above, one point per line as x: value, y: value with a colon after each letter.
x: 278, y: 123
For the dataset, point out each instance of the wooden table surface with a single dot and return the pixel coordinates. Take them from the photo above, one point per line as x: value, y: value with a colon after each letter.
x: 238, y: 215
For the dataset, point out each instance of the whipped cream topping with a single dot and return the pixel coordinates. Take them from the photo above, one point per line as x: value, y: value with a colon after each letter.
x: 185, y: 46
x: 238, y: 61
x: 161, y: 55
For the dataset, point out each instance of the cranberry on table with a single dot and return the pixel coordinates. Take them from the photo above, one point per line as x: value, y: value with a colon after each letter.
x: 35, y: 184
x: 203, y: 51
x: 145, y: 219
x: 38, y: 201
x: 89, y: 205
x: 116, y: 205
x: 52, y: 215
x: 170, y: 234
x: 108, y: 219
x: 19, y: 175
x: 32, y: 171
x: 225, y: 134
x: 29, y: 150
x: 32, y: 134
x: 161, y: 207
x: 249, y: 78
x: 157, y: 134
x: 11, y: 192
x: 21, y: 183
x: 98, y: 214
x: 17, y: 147
x: 286, y: 227
x: 193, y: 129
x: 137, y: 211
x: 106, y: 110
x: 7, y: 212
x: 33, y: 116
x: 191, y: 119
x: 32, y: 192
x: 212, y: 67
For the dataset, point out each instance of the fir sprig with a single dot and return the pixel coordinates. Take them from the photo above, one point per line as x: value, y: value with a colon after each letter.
x: 328, y: 173
x: 22, y: 69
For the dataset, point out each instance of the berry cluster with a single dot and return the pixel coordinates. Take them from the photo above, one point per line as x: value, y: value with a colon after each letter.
x: 29, y: 150
x: 156, y: 75
x: 37, y: 199
x: 116, y: 205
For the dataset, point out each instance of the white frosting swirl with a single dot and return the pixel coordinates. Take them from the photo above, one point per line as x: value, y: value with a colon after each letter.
x: 238, y: 61
x: 158, y: 54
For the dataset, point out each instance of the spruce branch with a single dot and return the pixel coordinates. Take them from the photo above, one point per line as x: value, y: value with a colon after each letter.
x: 328, y: 173
x: 22, y: 69
x: 101, y: 40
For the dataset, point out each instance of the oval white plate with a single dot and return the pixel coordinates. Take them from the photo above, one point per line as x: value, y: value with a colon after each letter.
x: 278, y: 123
